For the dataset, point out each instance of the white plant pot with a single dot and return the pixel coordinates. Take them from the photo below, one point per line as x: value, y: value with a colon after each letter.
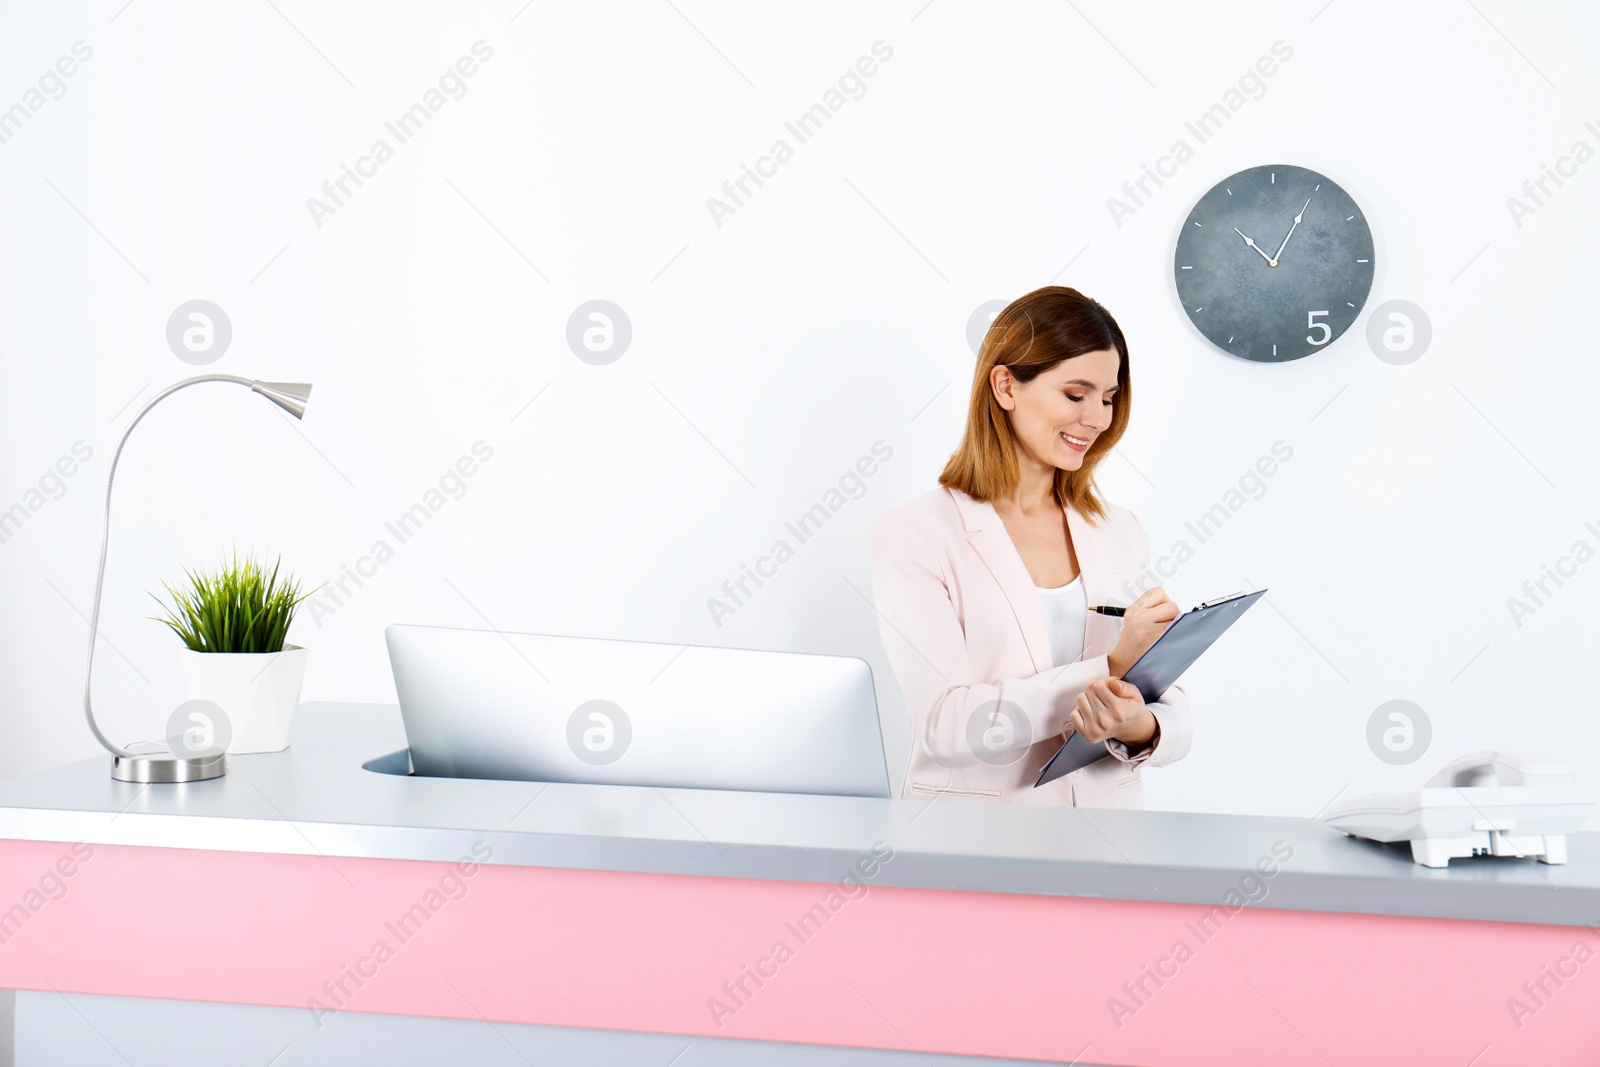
x: 257, y: 692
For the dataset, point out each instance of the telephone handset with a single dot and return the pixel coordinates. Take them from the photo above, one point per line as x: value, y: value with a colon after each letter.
x: 1486, y: 769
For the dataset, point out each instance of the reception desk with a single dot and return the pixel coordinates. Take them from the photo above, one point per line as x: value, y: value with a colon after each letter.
x: 318, y: 906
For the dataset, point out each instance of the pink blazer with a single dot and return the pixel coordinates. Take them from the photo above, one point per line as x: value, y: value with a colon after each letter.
x: 965, y: 633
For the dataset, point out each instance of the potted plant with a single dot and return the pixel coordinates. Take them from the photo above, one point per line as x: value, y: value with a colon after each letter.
x: 233, y: 622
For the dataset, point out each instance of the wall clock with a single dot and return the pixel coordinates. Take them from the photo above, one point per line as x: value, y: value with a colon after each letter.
x: 1274, y: 263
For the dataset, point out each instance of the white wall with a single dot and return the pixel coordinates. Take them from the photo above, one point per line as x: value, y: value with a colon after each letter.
x: 770, y: 352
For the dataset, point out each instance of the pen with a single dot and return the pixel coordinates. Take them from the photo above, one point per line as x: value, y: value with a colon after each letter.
x: 1106, y: 609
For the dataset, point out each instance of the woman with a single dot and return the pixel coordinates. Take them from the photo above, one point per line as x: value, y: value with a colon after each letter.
x: 983, y: 585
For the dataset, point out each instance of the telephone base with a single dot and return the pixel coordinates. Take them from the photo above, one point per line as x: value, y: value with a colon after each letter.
x: 1438, y: 851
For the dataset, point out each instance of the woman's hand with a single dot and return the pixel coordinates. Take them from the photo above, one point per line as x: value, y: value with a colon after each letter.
x: 1143, y: 623
x: 1109, y: 708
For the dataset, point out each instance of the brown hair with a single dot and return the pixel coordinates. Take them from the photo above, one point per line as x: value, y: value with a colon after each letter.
x: 1032, y: 335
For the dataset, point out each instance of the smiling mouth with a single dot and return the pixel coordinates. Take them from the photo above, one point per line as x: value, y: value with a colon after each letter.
x: 1077, y: 443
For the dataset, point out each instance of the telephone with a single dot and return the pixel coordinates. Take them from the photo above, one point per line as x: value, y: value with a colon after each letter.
x: 1495, y: 803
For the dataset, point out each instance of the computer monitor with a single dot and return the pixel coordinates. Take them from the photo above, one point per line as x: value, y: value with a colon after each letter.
x: 548, y: 708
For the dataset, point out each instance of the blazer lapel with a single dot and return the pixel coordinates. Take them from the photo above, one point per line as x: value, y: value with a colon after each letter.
x: 1098, y: 630
x: 988, y: 537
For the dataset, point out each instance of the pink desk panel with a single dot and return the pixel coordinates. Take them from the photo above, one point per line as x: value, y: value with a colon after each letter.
x: 873, y: 966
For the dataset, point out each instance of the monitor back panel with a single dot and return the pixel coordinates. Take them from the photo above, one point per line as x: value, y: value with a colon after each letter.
x: 540, y: 707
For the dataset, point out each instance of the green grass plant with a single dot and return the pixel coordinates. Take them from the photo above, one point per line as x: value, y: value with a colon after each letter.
x: 239, y: 607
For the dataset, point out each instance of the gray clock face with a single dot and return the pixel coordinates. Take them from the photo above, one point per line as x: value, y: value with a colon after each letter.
x: 1274, y: 263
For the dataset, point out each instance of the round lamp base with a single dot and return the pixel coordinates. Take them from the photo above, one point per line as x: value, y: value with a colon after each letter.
x: 169, y: 768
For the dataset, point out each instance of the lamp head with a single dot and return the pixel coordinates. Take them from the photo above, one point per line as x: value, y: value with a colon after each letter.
x: 290, y: 396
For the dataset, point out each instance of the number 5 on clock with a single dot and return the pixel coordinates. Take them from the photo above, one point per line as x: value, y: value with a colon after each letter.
x: 1312, y: 323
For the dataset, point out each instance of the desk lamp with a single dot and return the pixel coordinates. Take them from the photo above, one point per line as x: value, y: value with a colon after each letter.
x: 127, y: 766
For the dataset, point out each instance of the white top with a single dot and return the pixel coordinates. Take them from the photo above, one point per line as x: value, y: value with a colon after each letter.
x: 1065, y: 611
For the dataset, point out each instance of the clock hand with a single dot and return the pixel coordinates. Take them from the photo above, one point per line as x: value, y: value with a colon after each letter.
x: 1297, y: 218
x: 1252, y: 244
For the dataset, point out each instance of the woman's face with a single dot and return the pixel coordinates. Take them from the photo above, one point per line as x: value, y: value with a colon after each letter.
x: 1058, y: 415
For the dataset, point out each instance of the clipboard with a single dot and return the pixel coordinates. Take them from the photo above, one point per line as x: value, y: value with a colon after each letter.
x: 1162, y: 664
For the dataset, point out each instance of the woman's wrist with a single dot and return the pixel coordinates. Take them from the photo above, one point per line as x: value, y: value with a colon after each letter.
x: 1142, y: 731
x: 1114, y: 664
